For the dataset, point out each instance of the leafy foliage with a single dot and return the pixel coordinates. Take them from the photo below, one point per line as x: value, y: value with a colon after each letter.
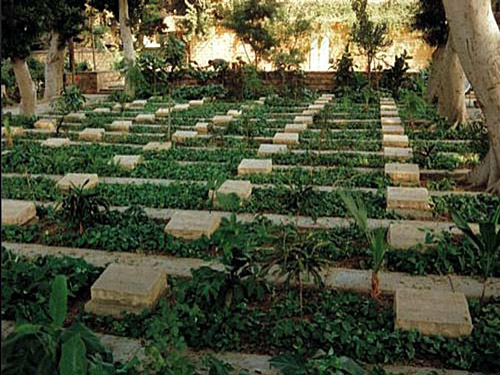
x: 71, y: 100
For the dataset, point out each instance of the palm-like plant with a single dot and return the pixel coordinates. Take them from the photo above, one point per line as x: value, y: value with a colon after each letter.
x: 376, y: 237
x: 297, y: 257
x: 486, y: 243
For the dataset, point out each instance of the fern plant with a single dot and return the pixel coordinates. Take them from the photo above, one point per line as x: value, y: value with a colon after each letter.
x: 376, y: 238
x: 48, y: 348
x: 486, y: 243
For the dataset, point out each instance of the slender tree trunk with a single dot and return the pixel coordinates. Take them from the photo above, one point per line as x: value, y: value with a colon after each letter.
x: 54, y: 67
x: 476, y: 38
x: 71, y: 49
x: 446, y: 82
x: 375, y: 291
x: 26, y: 86
x: 127, y: 42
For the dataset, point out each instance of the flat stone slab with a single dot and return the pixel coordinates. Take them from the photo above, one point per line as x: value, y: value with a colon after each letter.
x: 401, y: 173
x: 388, y: 106
x: 45, y: 125
x: 391, y: 140
x: 308, y: 120
x: 127, y: 161
x: 192, y: 225
x: 234, y: 112
x: 322, y: 101
x: 196, y: 103
x: 163, y: 112
x: 140, y: 103
x: 157, y: 146
x: 400, y: 153
x: 124, y: 288
x: 91, y: 134
x: 121, y: 125
x: 17, y: 212
x: 316, y: 106
x: 116, y: 107
x: 222, y: 119
x: 327, y: 96
x: 266, y: 149
x: 102, y: 110
x: 77, y: 179
x: 389, y: 113
x: 249, y: 166
x: 202, y: 127
x: 409, y: 202
x: 295, y: 128
x: 15, y: 130
x: 432, y: 312
x: 183, y: 135
x: 309, y: 112
x: 242, y: 189
x: 393, y: 129
x: 260, y: 102
x: 286, y: 139
x: 390, y: 121
x: 56, y: 142
x: 145, y: 118
x: 180, y: 107
x: 75, y: 117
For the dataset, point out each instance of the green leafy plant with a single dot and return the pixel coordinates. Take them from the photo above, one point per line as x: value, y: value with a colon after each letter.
x: 82, y: 206
x: 49, y: 348
x: 298, y: 260
x: 344, y: 74
x: 71, y: 100
x: 394, y: 77
x: 8, y: 133
x: 486, y: 242
x: 376, y: 237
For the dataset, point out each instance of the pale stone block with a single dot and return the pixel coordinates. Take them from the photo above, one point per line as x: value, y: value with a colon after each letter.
x: 433, y: 312
x: 322, y: 101
x: 124, y: 288
x: 262, y: 98
x: 222, y: 119
x: 400, y: 153
x: 196, y: 103
x: 180, y: 107
x: 392, y: 140
x: 163, y: 112
x: 102, y: 110
x: 145, y: 118
x: 121, y: 125
x: 202, y: 127
x: 56, y: 142
x: 77, y: 180
x: 157, y: 146
x: 409, y: 202
x: 267, y: 149
x: 192, y: 225
x: 242, y: 189
x: 91, y: 134
x: 389, y: 113
x: 388, y: 107
x: 286, y: 139
x: 393, y: 129
x: 309, y: 112
x: 259, y: 102
x: 318, y: 107
x: 403, y: 173
x: 138, y: 103
x: 390, y: 121
x: 117, y: 107
x: 328, y: 96
x: 295, y: 128
x: 75, y: 117
x: 262, y: 166
x: 127, y: 161
x: 14, y: 130
x: 17, y: 212
x: 308, y: 120
x: 183, y: 135
x: 45, y: 125
x: 234, y: 112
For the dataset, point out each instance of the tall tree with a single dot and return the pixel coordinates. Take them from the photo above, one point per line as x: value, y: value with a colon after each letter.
x: 66, y: 20
x: 476, y: 38
x: 22, y: 25
x: 446, y: 78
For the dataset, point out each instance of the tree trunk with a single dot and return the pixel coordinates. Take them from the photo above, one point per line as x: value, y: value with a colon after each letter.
x: 54, y: 67
x: 476, y: 38
x: 127, y: 42
x: 446, y: 82
x: 26, y: 86
x: 71, y: 50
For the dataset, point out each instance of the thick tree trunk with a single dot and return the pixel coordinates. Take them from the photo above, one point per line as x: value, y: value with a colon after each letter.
x: 476, y: 38
x: 127, y: 42
x: 26, y: 86
x: 446, y: 82
x: 54, y: 67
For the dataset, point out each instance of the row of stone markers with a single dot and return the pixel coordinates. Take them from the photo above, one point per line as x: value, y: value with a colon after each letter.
x: 428, y: 311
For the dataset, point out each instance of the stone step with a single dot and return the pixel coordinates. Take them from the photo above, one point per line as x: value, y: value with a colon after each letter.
x: 18, y: 212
